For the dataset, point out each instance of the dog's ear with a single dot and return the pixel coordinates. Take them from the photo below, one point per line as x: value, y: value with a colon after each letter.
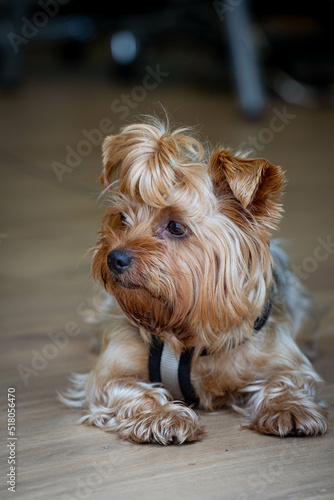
x: 254, y: 182
x: 113, y: 151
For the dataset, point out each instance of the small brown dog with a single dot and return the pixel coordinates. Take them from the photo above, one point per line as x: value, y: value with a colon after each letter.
x: 211, y: 309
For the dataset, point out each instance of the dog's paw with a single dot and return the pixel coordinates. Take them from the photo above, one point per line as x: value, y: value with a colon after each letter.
x: 298, y: 420
x: 172, y: 424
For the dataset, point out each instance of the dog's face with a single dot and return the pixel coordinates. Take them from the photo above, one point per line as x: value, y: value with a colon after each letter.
x: 184, y: 244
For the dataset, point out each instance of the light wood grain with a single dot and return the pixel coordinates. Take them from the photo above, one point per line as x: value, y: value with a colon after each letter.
x: 49, y: 225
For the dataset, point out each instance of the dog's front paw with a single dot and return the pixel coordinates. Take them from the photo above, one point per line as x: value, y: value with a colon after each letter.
x: 171, y: 424
x: 297, y: 420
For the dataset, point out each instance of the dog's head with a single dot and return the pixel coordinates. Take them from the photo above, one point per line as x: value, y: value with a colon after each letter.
x: 184, y: 245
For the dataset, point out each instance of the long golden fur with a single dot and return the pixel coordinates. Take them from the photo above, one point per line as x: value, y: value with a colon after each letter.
x: 202, y: 288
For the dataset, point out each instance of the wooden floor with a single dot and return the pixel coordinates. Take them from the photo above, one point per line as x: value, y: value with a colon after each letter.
x: 47, y: 225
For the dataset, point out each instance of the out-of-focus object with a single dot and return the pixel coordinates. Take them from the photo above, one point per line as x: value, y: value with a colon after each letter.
x: 245, y: 60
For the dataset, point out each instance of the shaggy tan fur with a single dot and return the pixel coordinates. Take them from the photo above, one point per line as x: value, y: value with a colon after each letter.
x: 196, y: 229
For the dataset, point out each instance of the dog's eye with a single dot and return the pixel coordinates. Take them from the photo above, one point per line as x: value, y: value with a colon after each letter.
x: 124, y: 220
x: 176, y: 229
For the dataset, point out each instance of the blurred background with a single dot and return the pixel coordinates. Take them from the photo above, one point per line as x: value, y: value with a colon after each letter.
x: 255, y: 47
x: 252, y: 75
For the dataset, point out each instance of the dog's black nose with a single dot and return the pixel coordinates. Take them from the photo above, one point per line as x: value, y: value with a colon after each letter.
x: 118, y: 261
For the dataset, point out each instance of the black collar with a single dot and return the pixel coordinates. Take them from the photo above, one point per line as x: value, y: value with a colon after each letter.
x: 258, y: 324
x: 262, y: 320
x: 181, y: 378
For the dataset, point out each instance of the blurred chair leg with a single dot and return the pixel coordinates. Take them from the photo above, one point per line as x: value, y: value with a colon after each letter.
x: 11, y: 63
x: 244, y: 58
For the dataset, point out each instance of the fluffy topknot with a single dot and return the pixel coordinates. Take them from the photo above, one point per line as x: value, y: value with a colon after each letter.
x: 156, y: 166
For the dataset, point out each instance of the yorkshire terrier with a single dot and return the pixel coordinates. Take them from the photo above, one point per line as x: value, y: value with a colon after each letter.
x: 207, y: 309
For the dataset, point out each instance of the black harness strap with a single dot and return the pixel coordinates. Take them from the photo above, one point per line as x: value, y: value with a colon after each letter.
x: 184, y: 361
x: 184, y: 368
x: 154, y: 362
x: 262, y: 320
x: 184, y: 377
